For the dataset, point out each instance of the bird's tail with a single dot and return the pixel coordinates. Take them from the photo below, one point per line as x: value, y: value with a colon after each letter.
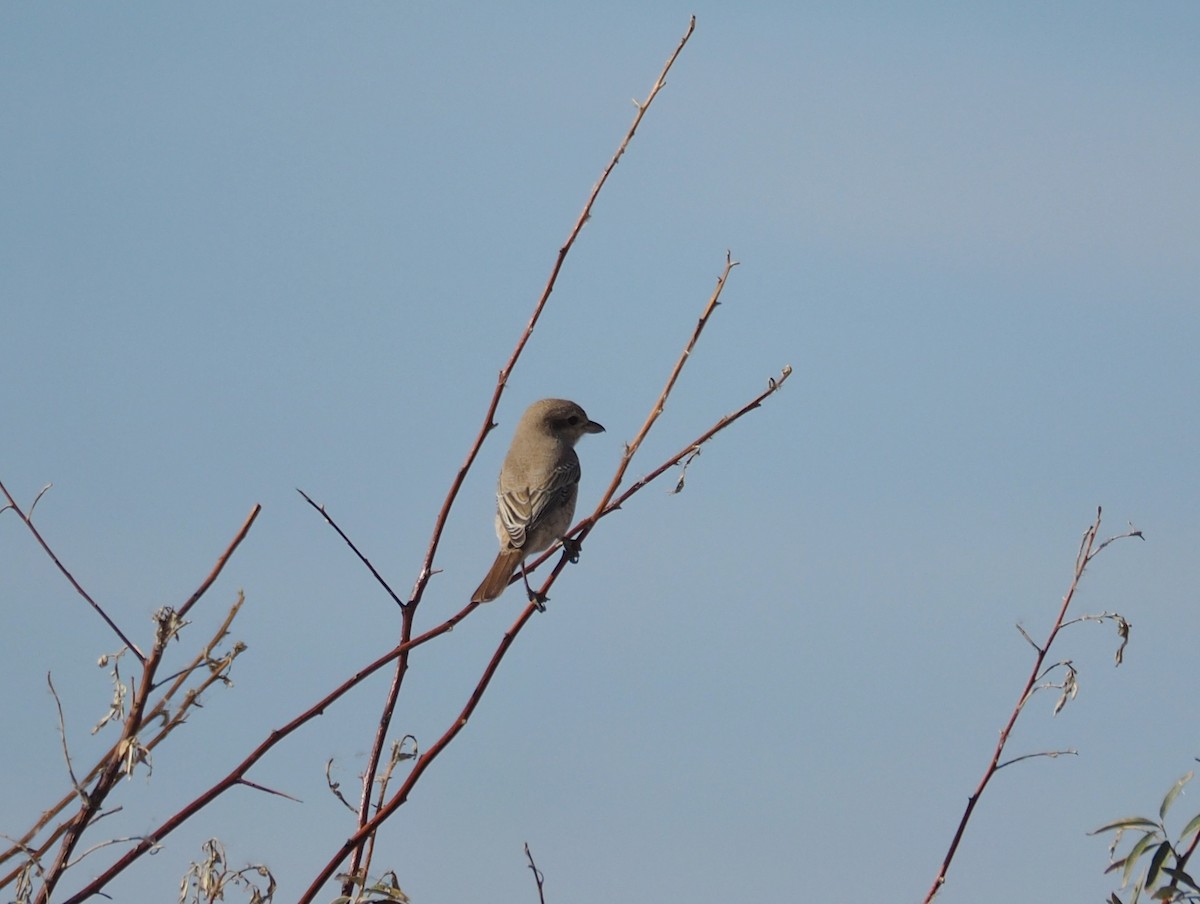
x: 498, y: 577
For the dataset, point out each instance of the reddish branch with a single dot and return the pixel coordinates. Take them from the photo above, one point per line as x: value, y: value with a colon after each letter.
x: 368, y: 828
x: 160, y: 712
x: 372, y: 816
x: 1085, y: 555
x: 357, y: 865
x: 502, y: 381
x: 236, y: 776
x: 129, y: 748
x: 12, y: 503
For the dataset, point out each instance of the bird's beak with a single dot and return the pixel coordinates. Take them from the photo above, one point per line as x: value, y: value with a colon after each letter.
x: 593, y: 427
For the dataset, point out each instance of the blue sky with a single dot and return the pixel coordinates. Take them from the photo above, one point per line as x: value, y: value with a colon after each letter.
x: 249, y: 248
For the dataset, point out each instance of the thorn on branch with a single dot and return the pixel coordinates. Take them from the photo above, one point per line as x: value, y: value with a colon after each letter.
x: 264, y: 788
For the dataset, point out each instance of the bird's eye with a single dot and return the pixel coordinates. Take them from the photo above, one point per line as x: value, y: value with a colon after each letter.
x: 573, y: 420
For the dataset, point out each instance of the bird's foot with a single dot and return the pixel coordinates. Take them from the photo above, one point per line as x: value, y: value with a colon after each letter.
x: 571, y: 547
x: 539, y: 600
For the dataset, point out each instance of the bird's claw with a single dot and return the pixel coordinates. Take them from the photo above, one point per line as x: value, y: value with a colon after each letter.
x: 571, y: 547
x: 539, y: 600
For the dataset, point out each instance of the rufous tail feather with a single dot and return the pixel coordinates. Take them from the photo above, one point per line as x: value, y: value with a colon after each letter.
x: 498, y: 577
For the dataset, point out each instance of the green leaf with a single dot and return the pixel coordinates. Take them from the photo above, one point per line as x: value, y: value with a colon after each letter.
x: 1181, y: 877
x: 1129, y: 822
x: 1135, y: 852
x: 1190, y: 827
x: 1172, y: 794
x: 1156, y: 862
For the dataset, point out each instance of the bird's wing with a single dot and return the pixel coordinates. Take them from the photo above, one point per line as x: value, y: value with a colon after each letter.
x: 521, y: 509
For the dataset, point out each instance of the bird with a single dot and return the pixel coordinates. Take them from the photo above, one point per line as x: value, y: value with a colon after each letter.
x: 538, y: 485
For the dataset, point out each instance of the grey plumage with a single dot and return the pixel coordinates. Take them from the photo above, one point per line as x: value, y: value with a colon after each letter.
x: 538, y: 485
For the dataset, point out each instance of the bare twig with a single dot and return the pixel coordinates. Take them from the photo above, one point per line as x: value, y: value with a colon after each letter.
x: 216, y: 672
x: 773, y: 386
x: 1050, y: 754
x: 427, y: 570
x: 537, y: 875
x: 368, y: 829
x: 661, y: 403
x: 1132, y: 532
x: 109, y: 842
x: 581, y: 531
x: 234, y: 777
x: 335, y: 787
x: 398, y: 755
x: 219, y: 567
x: 1088, y: 550
x: 37, y: 499
x: 358, y: 866
x: 12, y: 503
x: 129, y: 749
x: 502, y: 380
x: 384, y: 811
x: 62, y: 730
x: 329, y: 520
x: 358, y: 869
x: 257, y: 787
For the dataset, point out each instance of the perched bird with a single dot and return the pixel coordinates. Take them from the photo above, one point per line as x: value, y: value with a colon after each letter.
x: 535, y: 496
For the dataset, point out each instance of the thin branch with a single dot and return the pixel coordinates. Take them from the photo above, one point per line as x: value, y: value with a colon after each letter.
x: 398, y: 755
x: 127, y: 752
x: 774, y: 384
x: 1025, y: 634
x: 358, y: 865
x: 427, y: 570
x: 318, y: 708
x: 1132, y: 532
x: 580, y: 532
x: 1087, y: 551
x: 502, y: 380
x: 423, y: 762
x: 12, y: 503
x: 537, y: 874
x: 335, y: 787
x: 265, y: 789
x: 103, y: 844
x: 1051, y: 754
x: 234, y: 777
x: 362, y: 558
x: 129, y: 749
x: 37, y: 499
x: 661, y: 403
x: 384, y: 811
x: 216, y: 570
x: 62, y: 730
